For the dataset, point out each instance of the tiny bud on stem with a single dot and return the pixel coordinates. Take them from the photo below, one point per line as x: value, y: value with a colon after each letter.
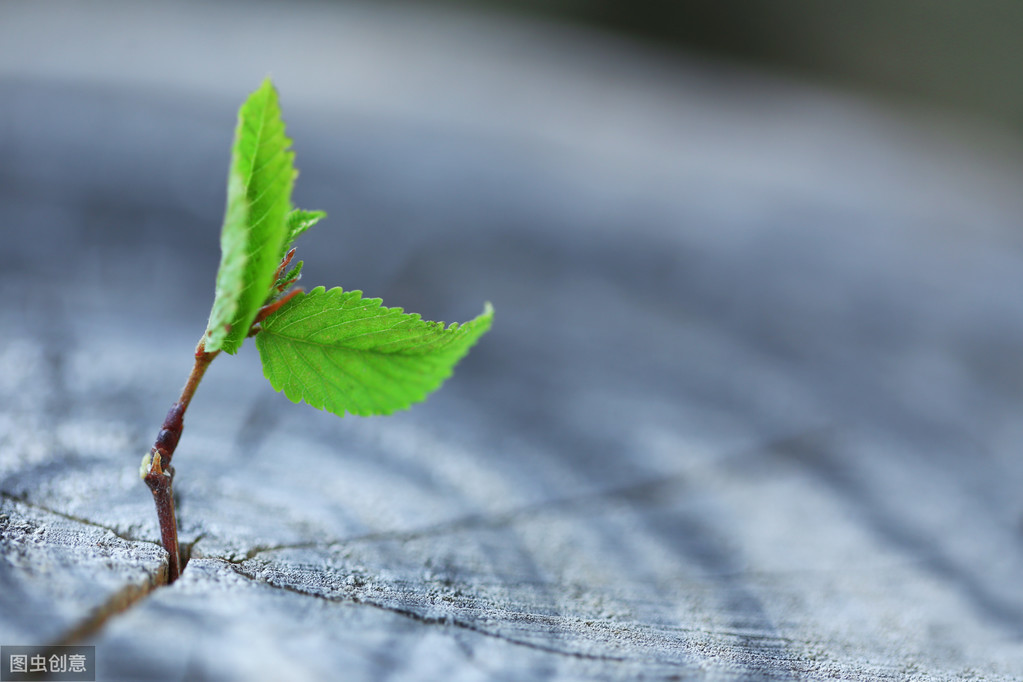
x: 285, y: 262
x: 156, y: 469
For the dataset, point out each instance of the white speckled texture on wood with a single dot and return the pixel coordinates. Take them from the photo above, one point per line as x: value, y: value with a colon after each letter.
x: 750, y: 408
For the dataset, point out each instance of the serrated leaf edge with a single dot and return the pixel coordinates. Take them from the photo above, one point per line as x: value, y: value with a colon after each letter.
x: 297, y: 395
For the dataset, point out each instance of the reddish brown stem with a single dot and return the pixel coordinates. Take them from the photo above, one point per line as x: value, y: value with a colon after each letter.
x: 160, y: 474
x: 156, y: 469
x: 271, y: 308
x: 202, y: 362
x: 160, y: 482
x: 285, y: 262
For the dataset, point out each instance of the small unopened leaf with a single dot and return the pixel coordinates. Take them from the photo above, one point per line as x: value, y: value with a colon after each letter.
x: 341, y: 352
x: 298, y: 221
x: 259, y: 186
x: 290, y: 277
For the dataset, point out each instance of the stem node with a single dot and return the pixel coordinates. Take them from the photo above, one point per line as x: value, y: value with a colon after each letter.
x: 160, y: 474
x: 160, y: 483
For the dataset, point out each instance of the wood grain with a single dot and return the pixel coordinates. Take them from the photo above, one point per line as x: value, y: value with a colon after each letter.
x: 749, y: 408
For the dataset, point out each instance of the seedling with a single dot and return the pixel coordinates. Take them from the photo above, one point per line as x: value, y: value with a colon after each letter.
x: 334, y: 350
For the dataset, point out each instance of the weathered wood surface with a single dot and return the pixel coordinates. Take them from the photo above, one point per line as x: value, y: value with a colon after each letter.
x: 751, y: 407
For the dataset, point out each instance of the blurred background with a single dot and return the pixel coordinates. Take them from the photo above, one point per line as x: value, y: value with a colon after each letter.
x: 767, y: 255
x: 958, y: 55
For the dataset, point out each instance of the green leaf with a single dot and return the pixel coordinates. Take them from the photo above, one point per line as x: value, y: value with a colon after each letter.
x: 298, y: 221
x: 255, y: 230
x: 341, y: 352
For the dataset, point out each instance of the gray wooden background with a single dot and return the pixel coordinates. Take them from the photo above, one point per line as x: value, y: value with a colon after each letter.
x: 751, y: 406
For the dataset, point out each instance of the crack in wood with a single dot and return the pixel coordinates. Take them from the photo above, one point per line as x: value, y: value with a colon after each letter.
x: 648, y: 493
x: 429, y: 620
x: 740, y: 635
x: 22, y: 499
x: 121, y: 601
x: 642, y: 494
